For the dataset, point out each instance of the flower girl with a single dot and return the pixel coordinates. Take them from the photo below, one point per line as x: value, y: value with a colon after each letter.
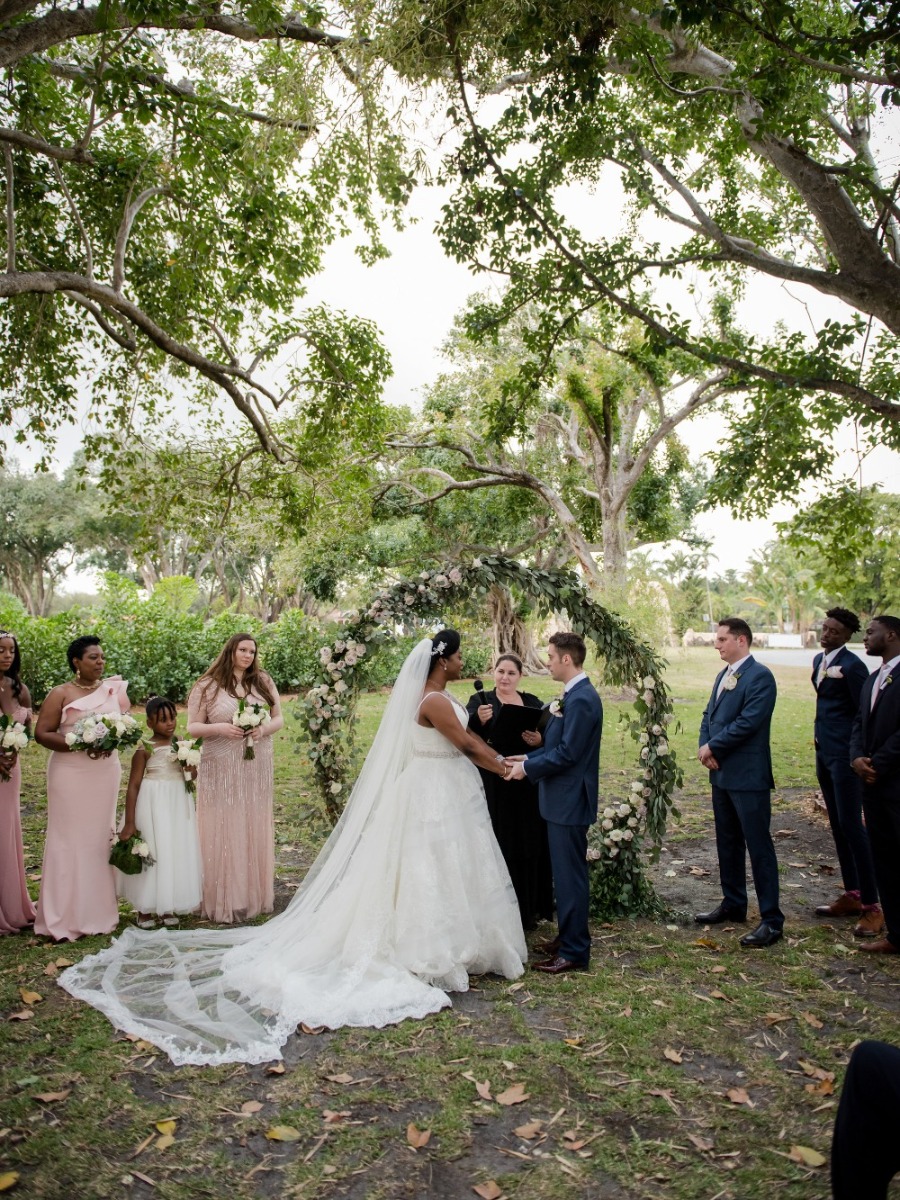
x: 160, y: 804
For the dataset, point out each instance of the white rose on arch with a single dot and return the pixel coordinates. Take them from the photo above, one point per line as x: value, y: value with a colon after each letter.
x: 649, y: 682
x: 649, y: 697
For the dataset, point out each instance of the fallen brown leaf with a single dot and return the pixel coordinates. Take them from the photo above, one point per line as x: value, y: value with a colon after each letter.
x: 416, y: 1137
x: 275, y: 1069
x: 825, y: 1087
x: 8, y: 1180
x: 52, y: 1097
x: 483, y: 1089
x: 334, y: 1118
x: 249, y: 1107
x: 776, y: 1018
x: 815, y: 1072
x: 672, y: 1055
x: 664, y: 1094
x: 488, y: 1191
x: 701, y: 1143
x: 167, y: 1127
x: 515, y: 1094
x: 739, y: 1096
x: 63, y: 962
x: 808, y: 1017
x: 164, y: 1142
x: 573, y: 1041
x: 283, y: 1133
x: 626, y: 1011
x: 342, y: 1078
x: 807, y: 1156
x: 313, y: 1029
x: 717, y: 995
x: 143, y: 1178
x: 25, y: 1015
x: 717, y: 970
x: 528, y: 1131
x: 708, y: 942
x: 52, y: 970
x: 30, y: 998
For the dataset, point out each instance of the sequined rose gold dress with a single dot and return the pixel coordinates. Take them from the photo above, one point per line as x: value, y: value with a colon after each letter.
x: 16, y: 909
x: 235, y: 818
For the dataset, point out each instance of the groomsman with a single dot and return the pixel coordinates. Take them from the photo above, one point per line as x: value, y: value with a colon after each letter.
x: 838, y: 676
x: 875, y: 756
x: 734, y: 748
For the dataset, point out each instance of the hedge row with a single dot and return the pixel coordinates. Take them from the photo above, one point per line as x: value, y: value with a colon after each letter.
x: 161, y: 646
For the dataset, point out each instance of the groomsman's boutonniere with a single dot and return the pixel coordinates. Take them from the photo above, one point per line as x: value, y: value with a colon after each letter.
x: 834, y: 673
x: 731, y: 682
x: 556, y: 707
x: 887, y: 679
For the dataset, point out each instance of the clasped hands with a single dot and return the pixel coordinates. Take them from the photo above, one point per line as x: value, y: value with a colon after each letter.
x: 707, y: 758
x: 864, y: 769
x: 514, y: 767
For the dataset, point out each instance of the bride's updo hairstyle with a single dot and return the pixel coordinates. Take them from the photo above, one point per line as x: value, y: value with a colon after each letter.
x: 444, y: 643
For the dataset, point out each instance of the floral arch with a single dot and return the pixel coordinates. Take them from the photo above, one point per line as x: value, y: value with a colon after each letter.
x: 630, y: 827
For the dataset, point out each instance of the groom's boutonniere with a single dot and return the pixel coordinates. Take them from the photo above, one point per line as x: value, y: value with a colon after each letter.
x: 731, y: 682
x: 556, y: 707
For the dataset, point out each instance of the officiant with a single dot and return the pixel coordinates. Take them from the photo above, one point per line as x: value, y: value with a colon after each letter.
x: 508, y: 720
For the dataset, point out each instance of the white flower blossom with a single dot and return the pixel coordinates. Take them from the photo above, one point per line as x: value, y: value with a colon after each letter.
x: 645, y: 753
x: 456, y: 575
x: 607, y: 824
x: 649, y: 697
x: 340, y: 686
x: 627, y: 835
x: 142, y: 850
x: 609, y: 813
x: 593, y: 854
x: 637, y: 787
x: 325, y: 654
x: 624, y: 810
x: 614, y: 851
x: 649, y: 682
x: 336, y: 788
x: 632, y: 822
x: 662, y: 748
x: 656, y: 730
x: 647, y: 791
x: 644, y: 738
x: 476, y: 562
x: 616, y: 835
x: 409, y: 598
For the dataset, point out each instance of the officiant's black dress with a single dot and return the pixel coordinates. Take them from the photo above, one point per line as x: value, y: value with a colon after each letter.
x: 518, y: 825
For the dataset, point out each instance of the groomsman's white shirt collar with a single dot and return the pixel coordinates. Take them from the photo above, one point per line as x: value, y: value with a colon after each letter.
x: 831, y: 656
x: 575, y: 679
x: 886, y: 668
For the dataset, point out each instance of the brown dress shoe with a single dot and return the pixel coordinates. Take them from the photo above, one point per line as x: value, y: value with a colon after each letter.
x: 558, y: 966
x: 550, y: 946
x: 870, y: 924
x: 845, y: 906
x: 883, y: 946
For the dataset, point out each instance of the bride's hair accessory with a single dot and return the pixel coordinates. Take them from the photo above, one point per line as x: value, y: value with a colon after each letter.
x: 444, y: 643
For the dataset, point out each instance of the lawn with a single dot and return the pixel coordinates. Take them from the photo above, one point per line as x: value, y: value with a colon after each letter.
x: 680, y: 1067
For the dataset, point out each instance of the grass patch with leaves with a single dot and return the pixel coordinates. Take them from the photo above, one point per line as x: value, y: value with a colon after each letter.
x: 679, y: 1067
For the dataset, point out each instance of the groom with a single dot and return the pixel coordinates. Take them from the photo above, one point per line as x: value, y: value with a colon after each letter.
x: 566, y: 769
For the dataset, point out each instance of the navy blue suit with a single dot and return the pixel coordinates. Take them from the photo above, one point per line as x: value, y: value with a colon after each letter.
x: 736, y: 729
x: 567, y: 771
x: 876, y: 735
x: 837, y: 703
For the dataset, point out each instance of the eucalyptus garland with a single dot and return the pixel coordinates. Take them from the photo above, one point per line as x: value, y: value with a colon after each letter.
x: 617, y: 846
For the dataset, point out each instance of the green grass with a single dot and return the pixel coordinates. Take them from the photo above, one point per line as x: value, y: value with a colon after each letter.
x: 590, y: 1050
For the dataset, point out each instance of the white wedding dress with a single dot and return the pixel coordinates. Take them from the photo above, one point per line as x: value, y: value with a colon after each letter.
x: 409, y: 895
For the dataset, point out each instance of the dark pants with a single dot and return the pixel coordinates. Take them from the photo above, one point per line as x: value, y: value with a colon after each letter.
x: 742, y: 826
x: 568, y: 858
x: 865, y: 1150
x: 882, y: 809
x: 842, y: 792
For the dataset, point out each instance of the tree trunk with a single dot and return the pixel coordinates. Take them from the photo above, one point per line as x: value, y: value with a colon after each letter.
x: 509, y: 632
x: 615, y: 554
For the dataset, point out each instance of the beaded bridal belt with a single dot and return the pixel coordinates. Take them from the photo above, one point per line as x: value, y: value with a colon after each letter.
x: 438, y: 754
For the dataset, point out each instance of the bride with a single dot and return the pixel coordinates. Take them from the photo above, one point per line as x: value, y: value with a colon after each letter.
x: 407, y: 898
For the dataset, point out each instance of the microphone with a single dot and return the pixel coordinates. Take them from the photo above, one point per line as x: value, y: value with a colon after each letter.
x: 479, y: 690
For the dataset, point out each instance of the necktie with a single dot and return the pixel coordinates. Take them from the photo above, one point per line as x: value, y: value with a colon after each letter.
x: 877, y: 688
x: 822, y: 669
x: 721, y: 687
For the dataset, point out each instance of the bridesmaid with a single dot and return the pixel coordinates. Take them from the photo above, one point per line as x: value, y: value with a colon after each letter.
x: 520, y: 829
x: 235, y: 796
x: 16, y: 909
x: 78, y: 888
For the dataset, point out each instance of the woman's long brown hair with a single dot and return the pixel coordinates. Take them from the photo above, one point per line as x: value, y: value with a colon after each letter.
x: 220, y: 672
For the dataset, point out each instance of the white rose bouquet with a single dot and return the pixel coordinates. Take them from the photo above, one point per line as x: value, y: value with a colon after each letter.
x: 186, y: 751
x: 131, y: 856
x: 249, y: 715
x: 14, y: 737
x: 100, y: 732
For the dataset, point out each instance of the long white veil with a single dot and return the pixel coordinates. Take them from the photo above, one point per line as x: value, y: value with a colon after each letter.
x: 236, y: 995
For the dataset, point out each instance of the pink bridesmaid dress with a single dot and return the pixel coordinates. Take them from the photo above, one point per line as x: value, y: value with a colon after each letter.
x: 16, y: 908
x: 235, y: 818
x: 78, y: 886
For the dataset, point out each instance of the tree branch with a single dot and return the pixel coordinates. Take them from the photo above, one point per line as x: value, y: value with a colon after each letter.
x: 131, y: 211
x: 10, y: 210
x: 15, y: 137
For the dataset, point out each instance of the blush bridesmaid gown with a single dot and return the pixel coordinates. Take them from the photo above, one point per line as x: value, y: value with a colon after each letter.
x: 78, y: 887
x: 16, y: 908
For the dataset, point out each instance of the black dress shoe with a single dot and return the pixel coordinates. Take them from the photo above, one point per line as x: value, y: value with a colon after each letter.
x: 719, y: 915
x: 763, y: 935
x: 558, y: 966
